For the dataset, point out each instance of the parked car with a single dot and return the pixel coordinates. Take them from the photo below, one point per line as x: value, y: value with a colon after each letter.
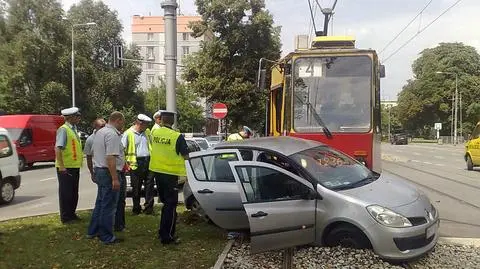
x: 472, y: 149
x: 288, y: 191
x: 202, y: 142
x: 10, y: 178
x: 399, y: 139
x: 33, y: 136
x: 192, y: 147
x: 214, y: 139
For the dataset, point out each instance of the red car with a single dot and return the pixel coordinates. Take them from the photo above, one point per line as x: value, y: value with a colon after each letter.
x: 34, y: 137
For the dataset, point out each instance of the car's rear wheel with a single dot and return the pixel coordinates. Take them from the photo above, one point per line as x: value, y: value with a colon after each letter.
x: 7, y: 192
x: 347, y: 236
x: 198, y: 210
x: 469, y: 163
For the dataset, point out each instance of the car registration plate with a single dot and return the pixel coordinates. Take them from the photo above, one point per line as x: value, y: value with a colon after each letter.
x: 431, y: 230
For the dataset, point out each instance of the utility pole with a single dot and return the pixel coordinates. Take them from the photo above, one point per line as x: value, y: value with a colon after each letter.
x: 170, y: 7
x: 455, y: 135
x: 461, y: 119
x: 389, y: 122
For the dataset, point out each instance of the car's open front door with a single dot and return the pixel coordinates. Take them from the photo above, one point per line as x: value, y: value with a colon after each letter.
x: 280, y: 205
x: 213, y: 185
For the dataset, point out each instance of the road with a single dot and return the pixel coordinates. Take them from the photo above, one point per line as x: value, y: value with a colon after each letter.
x: 38, y: 193
x: 440, y: 171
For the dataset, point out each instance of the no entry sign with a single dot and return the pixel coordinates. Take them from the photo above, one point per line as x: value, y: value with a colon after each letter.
x: 219, y: 110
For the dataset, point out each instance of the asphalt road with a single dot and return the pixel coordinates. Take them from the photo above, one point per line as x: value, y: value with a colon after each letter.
x: 440, y: 171
x: 38, y: 193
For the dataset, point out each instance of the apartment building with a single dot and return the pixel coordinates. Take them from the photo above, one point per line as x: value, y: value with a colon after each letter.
x: 148, y: 33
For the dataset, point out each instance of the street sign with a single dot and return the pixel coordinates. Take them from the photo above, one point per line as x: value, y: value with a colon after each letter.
x: 438, y: 126
x: 219, y: 110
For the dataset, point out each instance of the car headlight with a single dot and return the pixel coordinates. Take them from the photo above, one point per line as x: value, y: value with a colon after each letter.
x: 387, y: 217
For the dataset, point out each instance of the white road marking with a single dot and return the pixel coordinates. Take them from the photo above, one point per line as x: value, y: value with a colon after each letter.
x: 50, y: 178
x: 416, y: 154
x: 439, y: 164
x: 439, y: 157
x: 416, y: 161
x: 427, y: 163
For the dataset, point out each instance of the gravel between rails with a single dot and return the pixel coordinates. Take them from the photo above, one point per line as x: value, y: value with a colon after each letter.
x: 443, y: 256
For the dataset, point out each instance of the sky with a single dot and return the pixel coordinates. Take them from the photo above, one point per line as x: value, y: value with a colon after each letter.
x: 374, y: 23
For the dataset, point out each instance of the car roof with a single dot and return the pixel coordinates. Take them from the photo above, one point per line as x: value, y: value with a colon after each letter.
x: 285, y: 145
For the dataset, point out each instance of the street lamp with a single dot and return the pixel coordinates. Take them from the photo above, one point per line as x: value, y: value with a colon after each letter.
x: 455, y: 140
x: 73, y: 57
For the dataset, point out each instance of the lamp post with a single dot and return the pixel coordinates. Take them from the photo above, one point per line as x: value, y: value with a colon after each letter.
x: 73, y: 57
x: 455, y: 139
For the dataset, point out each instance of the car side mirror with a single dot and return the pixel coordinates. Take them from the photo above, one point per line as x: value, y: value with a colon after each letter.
x: 382, y: 71
x: 311, y: 195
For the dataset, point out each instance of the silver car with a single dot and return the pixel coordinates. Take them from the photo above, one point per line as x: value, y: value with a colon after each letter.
x: 289, y: 192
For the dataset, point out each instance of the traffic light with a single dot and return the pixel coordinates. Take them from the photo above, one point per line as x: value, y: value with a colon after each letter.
x: 117, y: 56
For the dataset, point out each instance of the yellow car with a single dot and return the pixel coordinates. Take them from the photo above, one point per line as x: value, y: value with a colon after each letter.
x: 472, y: 149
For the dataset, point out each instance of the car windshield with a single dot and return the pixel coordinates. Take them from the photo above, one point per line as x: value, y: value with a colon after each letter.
x: 202, y: 143
x: 333, y: 169
x: 335, y: 89
x: 14, y: 133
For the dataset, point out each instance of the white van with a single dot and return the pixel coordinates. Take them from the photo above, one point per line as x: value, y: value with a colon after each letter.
x: 9, y: 175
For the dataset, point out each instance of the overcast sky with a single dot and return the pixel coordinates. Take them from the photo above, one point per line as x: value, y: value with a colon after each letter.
x: 373, y: 22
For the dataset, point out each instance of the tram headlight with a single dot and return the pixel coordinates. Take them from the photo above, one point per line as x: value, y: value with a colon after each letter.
x: 361, y: 156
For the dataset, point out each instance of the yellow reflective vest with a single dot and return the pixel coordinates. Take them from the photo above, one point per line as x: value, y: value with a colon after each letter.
x: 131, y: 150
x: 72, y: 153
x: 164, y: 158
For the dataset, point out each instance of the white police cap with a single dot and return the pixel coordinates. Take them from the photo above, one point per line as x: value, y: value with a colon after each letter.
x: 165, y: 112
x: 143, y: 117
x: 158, y: 113
x: 71, y: 111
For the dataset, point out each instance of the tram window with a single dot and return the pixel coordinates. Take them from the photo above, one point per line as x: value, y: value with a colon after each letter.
x: 278, y: 109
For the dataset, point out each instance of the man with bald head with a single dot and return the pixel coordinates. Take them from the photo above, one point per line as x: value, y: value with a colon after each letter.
x: 88, y: 149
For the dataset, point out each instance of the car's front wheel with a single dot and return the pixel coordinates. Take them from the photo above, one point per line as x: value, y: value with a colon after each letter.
x: 347, y: 236
x: 469, y: 163
x: 7, y: 192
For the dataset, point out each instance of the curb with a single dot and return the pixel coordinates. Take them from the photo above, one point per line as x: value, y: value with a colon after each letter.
x: 223, y: 255
x: 474, y: 242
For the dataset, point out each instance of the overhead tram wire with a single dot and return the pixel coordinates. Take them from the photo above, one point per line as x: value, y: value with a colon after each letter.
x: 405, y: 28
x: 313, y: 17
x: 419, y: 32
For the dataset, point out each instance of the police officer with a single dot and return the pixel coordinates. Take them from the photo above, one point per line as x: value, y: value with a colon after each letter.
x: 244, y: 133
x: 167, y: 163
x: 68, y: 160
x: 136, y: 141
x: 156, y: 118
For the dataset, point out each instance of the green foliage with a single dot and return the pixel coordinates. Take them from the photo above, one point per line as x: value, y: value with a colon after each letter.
x: 427, y: 98
x: 190, y: 112
x: 390, y: 117
x: 35, y: 60
x: 225, y: 69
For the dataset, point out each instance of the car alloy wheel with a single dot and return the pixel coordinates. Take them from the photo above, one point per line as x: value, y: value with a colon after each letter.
x: 7, y: 192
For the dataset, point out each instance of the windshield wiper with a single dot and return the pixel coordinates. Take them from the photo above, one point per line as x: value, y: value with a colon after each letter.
x: 317, y: 117
x: 371, y: 178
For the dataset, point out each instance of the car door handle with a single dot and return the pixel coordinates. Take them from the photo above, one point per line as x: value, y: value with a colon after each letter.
x: 259, y: 214
x: 205, y: 191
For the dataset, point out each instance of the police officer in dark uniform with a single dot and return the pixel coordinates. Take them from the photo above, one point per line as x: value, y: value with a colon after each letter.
x: 167, y: 163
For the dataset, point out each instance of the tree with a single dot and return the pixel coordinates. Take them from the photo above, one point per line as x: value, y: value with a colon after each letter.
x: 190, y: 112
x: 33, y: 35
x: 225, y: 69
x: 390, y: 117
x: 427, y: 98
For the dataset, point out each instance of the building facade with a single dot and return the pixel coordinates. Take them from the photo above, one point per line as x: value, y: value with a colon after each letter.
x: 148, y: 34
